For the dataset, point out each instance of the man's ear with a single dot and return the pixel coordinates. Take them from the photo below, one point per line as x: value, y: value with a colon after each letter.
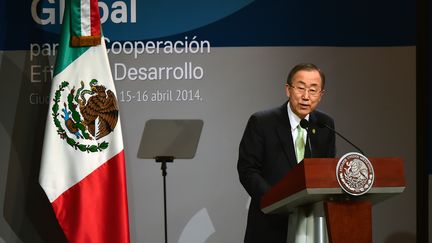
x: 287, y: 90
x: 322, y: 93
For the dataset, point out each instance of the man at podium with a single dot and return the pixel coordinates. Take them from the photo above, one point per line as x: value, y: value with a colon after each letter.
x: 275, y: 140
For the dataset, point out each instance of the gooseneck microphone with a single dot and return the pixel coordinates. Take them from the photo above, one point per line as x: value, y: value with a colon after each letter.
x: 322, y: 124
x: 305, y: 125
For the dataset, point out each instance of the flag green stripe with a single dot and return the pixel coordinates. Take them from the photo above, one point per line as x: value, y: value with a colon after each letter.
x: 76, y: 17
x: 67, y: 54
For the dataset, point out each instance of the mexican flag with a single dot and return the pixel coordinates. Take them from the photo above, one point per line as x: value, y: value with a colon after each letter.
x: 83, y: 166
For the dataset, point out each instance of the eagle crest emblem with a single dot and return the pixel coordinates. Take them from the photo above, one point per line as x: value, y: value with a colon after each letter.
x: 86, y: 114
x: 355, y: 173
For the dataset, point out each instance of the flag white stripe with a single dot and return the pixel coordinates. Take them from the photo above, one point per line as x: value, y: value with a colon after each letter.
x: 85, y: 18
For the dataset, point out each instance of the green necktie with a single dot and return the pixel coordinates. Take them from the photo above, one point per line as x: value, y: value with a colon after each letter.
x: 299, y: 145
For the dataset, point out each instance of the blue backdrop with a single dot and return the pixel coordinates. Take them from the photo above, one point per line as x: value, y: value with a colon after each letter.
x: 229, y: 23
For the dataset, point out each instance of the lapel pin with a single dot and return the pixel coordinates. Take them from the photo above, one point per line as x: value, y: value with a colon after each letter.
x: 313, y: 131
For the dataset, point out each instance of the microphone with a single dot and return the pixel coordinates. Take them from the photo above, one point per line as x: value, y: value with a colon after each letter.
x: 305, y: 125
x: 322, y: 124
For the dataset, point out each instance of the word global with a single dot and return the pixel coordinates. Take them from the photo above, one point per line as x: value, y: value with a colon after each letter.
x: 186, y: 72
x: 50, y: 12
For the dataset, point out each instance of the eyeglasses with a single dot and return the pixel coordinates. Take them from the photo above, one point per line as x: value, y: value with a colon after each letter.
x: 301, y: 89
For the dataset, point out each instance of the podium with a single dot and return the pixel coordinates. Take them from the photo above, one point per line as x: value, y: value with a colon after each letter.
x: 348, y: 218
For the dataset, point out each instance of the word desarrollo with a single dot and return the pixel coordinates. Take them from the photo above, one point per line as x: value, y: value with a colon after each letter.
x: 187, y: 71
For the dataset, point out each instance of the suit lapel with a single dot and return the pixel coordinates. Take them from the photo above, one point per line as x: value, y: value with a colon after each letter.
x: 312, y: 135
x: 284, y: 133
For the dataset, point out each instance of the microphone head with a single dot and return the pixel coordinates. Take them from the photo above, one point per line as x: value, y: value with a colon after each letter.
x: 304, y: 123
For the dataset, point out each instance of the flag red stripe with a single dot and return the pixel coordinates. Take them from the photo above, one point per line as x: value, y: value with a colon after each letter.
x: 95, y: 24
x: 95, y: 209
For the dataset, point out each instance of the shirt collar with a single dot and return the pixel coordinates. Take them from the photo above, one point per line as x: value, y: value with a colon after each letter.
x: 293, y: 118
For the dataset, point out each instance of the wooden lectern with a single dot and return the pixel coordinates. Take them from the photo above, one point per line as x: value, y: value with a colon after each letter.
x: 348, y: 218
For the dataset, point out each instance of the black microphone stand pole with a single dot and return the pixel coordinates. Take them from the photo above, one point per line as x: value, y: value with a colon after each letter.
x: 344, y: 138
x: 163, y: 160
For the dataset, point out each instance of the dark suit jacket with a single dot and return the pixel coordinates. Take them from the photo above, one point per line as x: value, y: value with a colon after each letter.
x: 266, y: 154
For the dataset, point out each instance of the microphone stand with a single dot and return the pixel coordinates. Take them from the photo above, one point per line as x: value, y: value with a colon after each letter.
x: 163, y: 160
x: 346, y: 140
x: 305, y: 125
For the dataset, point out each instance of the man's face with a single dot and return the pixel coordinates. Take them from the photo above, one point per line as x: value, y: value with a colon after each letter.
x: 305, y: 92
